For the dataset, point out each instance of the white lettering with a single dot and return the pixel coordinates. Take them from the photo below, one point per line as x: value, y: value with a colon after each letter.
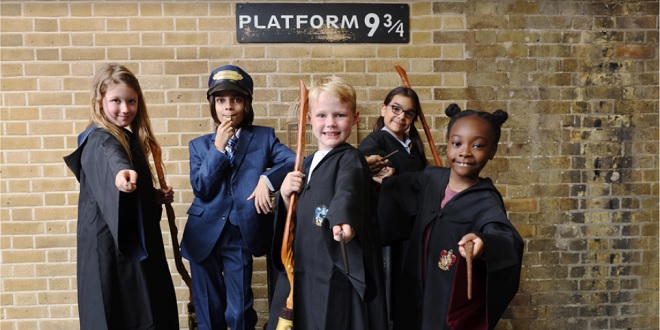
x: 300, y: 20
x: 273, y: 23
x: 316, y: 21
x: 331, y: 21
x: 244, y: 20
x: 349, y: 24
x: 287, y: 18
x: 256, y: 23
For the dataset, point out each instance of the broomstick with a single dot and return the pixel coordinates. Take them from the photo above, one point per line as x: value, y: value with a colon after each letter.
x: 285, y: 322
x: 158, y: 162
x: 427, y: 131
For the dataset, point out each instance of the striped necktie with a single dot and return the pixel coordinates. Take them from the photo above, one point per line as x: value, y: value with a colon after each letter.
x: 230, y: 149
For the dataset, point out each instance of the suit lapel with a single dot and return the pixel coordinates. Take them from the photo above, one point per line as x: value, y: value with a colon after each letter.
x: 241, y: 148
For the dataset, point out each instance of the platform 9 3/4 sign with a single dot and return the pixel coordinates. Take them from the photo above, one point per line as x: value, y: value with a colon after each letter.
x: 322, y: 23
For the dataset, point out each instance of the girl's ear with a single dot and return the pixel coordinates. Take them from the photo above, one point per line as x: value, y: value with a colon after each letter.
x: 355, y: 119
x: 383, y: 110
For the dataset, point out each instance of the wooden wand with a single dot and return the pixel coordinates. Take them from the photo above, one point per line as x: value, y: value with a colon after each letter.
x: 427, y: 131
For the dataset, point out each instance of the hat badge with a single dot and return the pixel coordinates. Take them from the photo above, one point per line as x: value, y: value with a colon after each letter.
x: 227, y: 75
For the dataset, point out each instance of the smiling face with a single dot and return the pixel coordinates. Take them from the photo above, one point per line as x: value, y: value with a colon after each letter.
x: 230, y: 104
x: 470, y: 146
x: 398, y: 124
x: 120, y: 104
x: 331, y: 119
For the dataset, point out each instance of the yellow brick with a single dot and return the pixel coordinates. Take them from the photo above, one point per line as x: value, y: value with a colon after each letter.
x: 18, y: 84
x: 48, y: 99
x: 52, y: 184
x: 191, y: 9
x: 46, y: 39
x: 420, y: 51
x: 54, y: 199
x: 23, y: 256
x: 81, y: 24
x: 18, y: 200
x: 186, y: 24
x: 362, y: 52
x: 117, y: 39
x: 420, y: 8
x: 47, y: 9
x: 14, y: 24
x: 151, y: 24
x: 452, y: 52
x: 48, y: 54
x: 190, y: 67
x: 55, y: 269
x: 151, y: 9
x: 152, y: 53
x: 109, y: 9
x: 118, y: 54
x: 425, y: 23
x: 11, y: 70
x: 453, y: 80
x: 82, y: 40
x: 20, y: 142
x: 11, y: 228
x: 51, y: 241
x: 453, y: 22
x: 10, y: 9
x: 45, y: 25
x: 80, y: 9
x: 187, y: 38
x: 330, y: 65
x: 17, y: 54
x: 47, y: 69
x: 26, y: 312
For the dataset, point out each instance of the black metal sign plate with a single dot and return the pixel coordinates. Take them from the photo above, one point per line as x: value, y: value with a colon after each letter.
x: 322, y: 23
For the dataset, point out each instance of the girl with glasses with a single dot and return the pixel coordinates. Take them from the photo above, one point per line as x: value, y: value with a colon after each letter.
x: 395, y: 131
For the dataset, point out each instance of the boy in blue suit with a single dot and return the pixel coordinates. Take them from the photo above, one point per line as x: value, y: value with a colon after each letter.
x: 232, y: 172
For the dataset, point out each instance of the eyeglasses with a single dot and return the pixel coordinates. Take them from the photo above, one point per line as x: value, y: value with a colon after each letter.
x: 398, y: 110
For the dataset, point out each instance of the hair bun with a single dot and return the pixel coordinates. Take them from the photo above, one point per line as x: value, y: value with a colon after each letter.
x: 500, y: 116
x: 452, y: 110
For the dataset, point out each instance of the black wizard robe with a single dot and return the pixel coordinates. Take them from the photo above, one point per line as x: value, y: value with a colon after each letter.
x: 123, y: 278
x: 431, y: 296
x: 382, y: 143
x: 325, y: 297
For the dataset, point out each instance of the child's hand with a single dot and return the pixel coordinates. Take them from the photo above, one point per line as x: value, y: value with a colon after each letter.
x: 126, y: 180
x: 261, y: 196
x: 376, y: 163
x: 346, y: 228
x: 165, y: 196
x: 293, y: 183
x: 222, y: 134
x: 385, y: 172
x: 478, y: 245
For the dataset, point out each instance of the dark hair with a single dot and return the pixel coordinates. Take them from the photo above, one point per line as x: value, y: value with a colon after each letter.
x: 495, y: 119
x: 248, y: 113
x: 413, y: 134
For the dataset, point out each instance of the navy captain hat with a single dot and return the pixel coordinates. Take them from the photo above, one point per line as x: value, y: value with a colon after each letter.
x: 230, y: 77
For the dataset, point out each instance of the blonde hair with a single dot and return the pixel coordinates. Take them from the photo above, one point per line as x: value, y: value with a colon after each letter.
x: 336, y: 87
x: 112, y: 74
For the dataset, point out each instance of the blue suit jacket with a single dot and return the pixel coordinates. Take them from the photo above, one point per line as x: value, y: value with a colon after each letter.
x: 221, y: 191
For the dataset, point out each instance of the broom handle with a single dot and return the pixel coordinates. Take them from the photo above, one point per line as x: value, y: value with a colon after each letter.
x: 181, y: 269
x: 427, y: 131
x: 287, y: 240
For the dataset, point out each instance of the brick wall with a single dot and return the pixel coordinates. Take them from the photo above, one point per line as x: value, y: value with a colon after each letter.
x: 578, y: 163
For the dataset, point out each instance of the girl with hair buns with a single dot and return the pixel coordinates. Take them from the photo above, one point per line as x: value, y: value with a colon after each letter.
x: 447, y: 207
x: 123, y: 278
